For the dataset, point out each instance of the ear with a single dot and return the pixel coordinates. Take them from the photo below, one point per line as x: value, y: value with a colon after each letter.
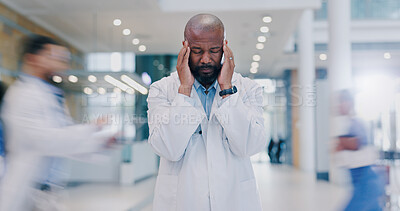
x: 28, y: 58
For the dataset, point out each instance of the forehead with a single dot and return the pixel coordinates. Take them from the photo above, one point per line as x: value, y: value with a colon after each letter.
x: 56, y: 48
x: 200, y: 37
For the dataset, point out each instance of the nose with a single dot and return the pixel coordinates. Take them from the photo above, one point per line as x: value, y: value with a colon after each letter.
x: 205, y: 58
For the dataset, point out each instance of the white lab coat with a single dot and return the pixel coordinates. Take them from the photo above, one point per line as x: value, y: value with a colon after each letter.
x: 211, y: 170
x: 32, y: 133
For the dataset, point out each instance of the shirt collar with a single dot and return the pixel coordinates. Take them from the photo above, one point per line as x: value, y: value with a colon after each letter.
x: 198, y: 84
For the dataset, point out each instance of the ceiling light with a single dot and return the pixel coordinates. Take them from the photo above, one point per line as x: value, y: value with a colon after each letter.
x: 256, y: 58
x: 135, y: 41
x: 134, y: 84
x: 57, y: 79
x: 261, y: 39
x: 126, y: 32
x: 88, y: 91
x: 253, y: 70
x: 101, y: 90
x: 117, y: 90
x: 264, y: 29
x: 117, y: 22
x: 260, y: 46
x: 116, y: 83
x: 323, y: 57
x: 130, y: 91
x: 146, y: 78
x: 92, y: 78
x: 387, y: 55
x: 267, y: 19
x: 142, y: 48
x: 255, y: 64
x: 73, y: 79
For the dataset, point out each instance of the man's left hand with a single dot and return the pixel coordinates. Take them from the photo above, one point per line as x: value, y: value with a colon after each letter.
x: 225, y: 76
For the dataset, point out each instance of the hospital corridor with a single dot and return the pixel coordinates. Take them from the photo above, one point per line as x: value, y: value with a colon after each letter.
x: 211, y: 105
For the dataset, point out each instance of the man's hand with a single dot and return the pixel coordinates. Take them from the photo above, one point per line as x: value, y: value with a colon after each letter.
x: 185, y: 76
x: 225, y: 76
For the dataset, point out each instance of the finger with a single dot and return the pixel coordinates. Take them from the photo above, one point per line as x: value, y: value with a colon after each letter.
x: 230, y: 54
x: 180, y: 56
x: 186, y: 59
x: 229, y: 50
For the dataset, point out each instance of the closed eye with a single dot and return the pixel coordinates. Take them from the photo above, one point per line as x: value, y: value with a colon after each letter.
x: 215, y: 50
x: 196, y: 50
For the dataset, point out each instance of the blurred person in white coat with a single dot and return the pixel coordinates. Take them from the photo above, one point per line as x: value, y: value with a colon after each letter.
x: 38, y: 129
x: 205, y: 122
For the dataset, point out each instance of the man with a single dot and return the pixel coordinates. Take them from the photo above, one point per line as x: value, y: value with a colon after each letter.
x: 38, y: 128
x: 205, y: 122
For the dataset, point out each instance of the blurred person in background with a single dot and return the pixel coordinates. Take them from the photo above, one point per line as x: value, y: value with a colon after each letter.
x: 39, y: 130
x: 368, y: 186
x: 3, y: 88
x: 275, y: 149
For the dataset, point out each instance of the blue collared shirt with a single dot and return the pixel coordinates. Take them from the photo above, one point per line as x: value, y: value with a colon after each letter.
x: 206, y: 99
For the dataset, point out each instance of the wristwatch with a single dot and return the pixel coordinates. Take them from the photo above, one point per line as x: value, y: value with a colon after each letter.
x: 232, y: 90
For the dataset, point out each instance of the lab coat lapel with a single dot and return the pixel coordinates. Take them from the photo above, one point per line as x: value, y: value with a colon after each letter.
x: 197, y: 104
x: 217, y: 98
x: 193, y: 94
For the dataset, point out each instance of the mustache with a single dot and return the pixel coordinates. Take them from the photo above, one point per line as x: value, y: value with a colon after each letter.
x: 206, y: 66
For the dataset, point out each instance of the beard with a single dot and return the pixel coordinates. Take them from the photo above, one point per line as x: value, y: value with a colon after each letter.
x: 205, y: 78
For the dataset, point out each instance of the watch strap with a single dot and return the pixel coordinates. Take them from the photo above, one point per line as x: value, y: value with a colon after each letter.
x: 232, y: 90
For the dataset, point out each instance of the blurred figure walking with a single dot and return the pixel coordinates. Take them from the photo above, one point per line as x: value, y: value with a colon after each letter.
x: 3, y: 88
x: 368, y: 187
x: 38, y: 129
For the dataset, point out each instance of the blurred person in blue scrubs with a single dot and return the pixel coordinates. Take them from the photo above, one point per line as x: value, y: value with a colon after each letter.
x: 39, y: 130
x: 368, y: 186
x: 3, y: 88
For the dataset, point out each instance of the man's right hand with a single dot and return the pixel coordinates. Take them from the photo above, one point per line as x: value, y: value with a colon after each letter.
x: 185, y: 76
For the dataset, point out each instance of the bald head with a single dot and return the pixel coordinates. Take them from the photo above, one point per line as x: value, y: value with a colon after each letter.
x: 203, y: 23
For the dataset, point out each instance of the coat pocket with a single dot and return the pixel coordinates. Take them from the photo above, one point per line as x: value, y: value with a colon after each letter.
x: 249, y: 196
x: 165, y: 194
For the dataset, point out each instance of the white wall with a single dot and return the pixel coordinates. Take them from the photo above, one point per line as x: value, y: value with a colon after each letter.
x: 108, y: 167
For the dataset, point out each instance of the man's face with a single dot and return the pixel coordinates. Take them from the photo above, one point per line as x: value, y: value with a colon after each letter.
x: 52, y: 59
x: 206, y: 48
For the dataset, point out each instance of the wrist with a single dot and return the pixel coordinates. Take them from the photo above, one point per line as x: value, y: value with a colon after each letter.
x: 185, y: 89
x: 225, y: 86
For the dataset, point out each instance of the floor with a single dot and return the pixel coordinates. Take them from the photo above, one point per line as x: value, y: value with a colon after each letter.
x: 281, y: 188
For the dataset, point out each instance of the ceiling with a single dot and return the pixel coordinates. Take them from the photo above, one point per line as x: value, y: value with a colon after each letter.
x: 159, y: 24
